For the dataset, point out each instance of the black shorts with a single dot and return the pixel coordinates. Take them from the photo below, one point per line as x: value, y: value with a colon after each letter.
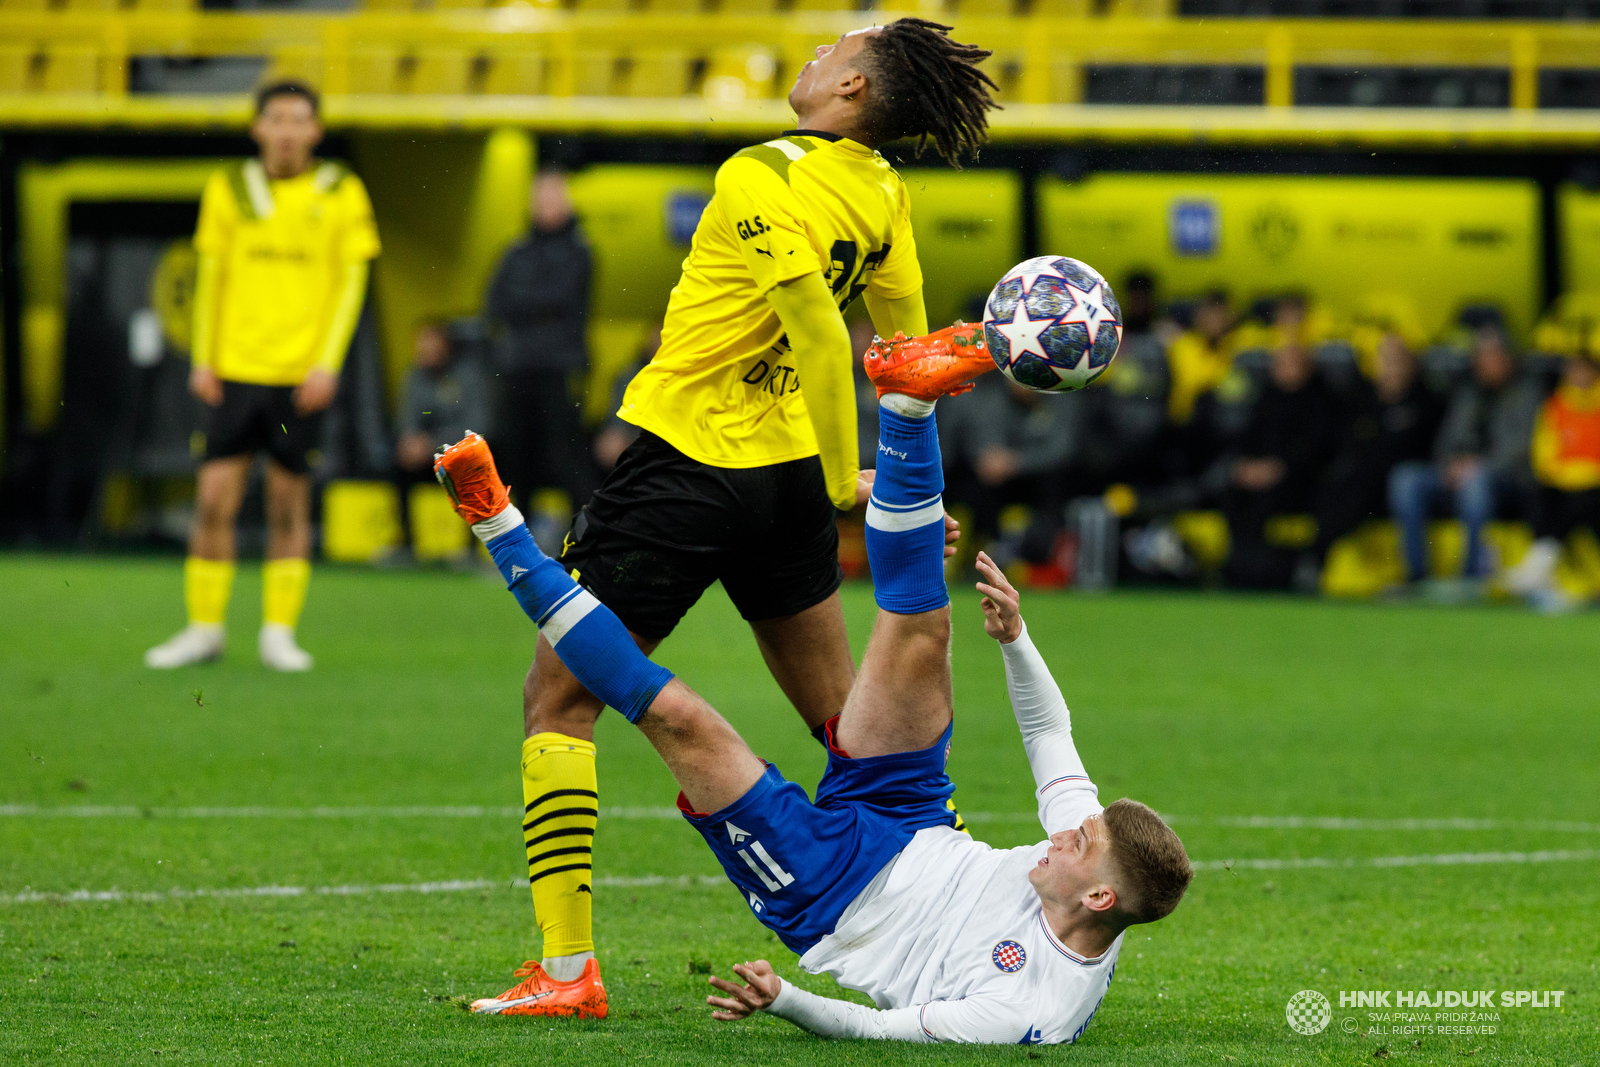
x: 663, y: 527
x: 261, y: 418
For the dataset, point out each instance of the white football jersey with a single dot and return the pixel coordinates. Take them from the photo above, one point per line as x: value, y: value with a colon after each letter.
x: 953, y: 931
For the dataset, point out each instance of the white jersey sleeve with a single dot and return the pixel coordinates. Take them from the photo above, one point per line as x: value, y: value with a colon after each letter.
x: 979, y: 1020
x: 827, y: 1017
x: 1066, y: 795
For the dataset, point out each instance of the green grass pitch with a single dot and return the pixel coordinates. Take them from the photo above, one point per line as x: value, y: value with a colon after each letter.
x: 1216, y: 710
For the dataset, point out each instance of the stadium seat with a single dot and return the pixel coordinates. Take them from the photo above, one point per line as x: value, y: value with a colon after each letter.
x: 296, y: 63
x: 57, y: 69
x: 375, y: 69
x: 16, y: 66
x: 522, y: 72
x: 1061, y: 9
x: 437, y: 72
x: 597, y: 73
x: 391, y: 71
x: 984, y: 8
x: 742, y: 72
x: 657, y: 73
x: 71, y: 69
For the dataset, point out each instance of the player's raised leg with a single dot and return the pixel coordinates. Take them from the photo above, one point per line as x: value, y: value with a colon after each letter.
x: 901, y: 701
x: 711, y: 763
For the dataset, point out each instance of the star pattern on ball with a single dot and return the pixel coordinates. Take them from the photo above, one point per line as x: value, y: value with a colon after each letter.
x: 1023, y: 333
x: 1088, y: 307
x: 1032, y: 270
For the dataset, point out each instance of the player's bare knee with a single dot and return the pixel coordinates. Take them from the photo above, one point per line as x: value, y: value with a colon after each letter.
x: 681, y: 714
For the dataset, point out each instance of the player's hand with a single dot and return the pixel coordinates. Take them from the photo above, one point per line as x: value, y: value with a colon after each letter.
x: 864, y: 483
x: 952, y: 534
x: 204, y: 383
x: 315, y: 393
x: 763, y: 985
x: 1002, y: 605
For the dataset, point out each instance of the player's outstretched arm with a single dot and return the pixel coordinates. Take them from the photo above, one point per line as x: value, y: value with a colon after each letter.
x: 1064, y: 788
x: 975, y: 1020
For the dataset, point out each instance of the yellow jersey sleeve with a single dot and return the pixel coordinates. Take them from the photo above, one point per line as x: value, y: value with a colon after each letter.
x: 766, y: 220
x: 219, y: 215
x: 900, y: 274
x: 359, y: 239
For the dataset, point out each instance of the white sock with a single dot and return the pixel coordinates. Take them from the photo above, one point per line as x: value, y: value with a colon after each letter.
x: 495, y: 525
x: 906, y: 406
x: 566, y: 968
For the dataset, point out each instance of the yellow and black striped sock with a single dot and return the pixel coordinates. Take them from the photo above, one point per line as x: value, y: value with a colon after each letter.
x: 563, y: 804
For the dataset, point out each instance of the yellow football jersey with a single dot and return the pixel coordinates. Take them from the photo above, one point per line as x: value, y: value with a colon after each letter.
x: 723, y: 388
x: 282, y: 248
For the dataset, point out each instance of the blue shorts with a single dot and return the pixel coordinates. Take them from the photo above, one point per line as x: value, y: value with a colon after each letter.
x: 799, y: 864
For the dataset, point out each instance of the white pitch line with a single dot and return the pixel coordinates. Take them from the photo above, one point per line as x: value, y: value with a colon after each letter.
x: 1443, y: 859
x: 475, y: 811
x: 1299, y: 822
x: 684, y: 881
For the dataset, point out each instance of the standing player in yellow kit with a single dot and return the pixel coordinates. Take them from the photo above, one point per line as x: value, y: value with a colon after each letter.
x: 285, y: 241
x: 749, y: 434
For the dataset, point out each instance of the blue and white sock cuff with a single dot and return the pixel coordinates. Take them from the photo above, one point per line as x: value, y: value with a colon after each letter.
x: 495, y: 525
x: 567, y: 613
x: 898, y: 518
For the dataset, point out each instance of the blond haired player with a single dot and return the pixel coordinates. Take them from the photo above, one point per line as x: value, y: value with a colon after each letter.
x: 871, y: 882
x: 284, y: 243
x: 748, y: 443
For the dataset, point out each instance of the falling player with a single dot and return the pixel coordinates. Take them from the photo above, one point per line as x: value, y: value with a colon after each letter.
x: 284, y: 243
x: 748, y: 419
x: 953, y: 940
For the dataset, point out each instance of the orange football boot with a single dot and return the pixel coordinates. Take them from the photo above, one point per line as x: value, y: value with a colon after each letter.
x: 942, y: 363
x: 539, y: 994
x: 466, y: 470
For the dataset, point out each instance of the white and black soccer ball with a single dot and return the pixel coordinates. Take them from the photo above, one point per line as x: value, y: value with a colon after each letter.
x: 1052, y: 324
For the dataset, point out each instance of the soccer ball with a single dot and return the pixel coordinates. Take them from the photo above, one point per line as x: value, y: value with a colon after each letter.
x: 1052, y: 324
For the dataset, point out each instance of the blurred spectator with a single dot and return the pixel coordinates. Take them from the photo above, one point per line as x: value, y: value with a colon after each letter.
x: 1566, y: 462
x: 1200, y: 357
x: 443, y: 398
x: 1013, y: 447
x: 616, y: 434
x: 1127, y: 407
x: 537, y: 312
x: 1393, y: 420
x: 1480, y: 465
x: 1276, y: 464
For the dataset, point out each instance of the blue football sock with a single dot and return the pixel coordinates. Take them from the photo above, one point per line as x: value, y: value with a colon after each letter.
x: 905, y: 518
x: 590, y: 640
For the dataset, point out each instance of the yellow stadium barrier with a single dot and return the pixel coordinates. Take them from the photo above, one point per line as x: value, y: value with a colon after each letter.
x: 360, y: 520
x: 726, y: 71
x: 437, y: 532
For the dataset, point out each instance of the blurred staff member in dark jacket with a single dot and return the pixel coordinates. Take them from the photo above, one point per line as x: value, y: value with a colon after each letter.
x: 1394, y: 419
x: 537, y: 313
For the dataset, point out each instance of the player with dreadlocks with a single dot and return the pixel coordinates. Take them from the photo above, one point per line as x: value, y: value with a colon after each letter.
x: 748, y: 443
